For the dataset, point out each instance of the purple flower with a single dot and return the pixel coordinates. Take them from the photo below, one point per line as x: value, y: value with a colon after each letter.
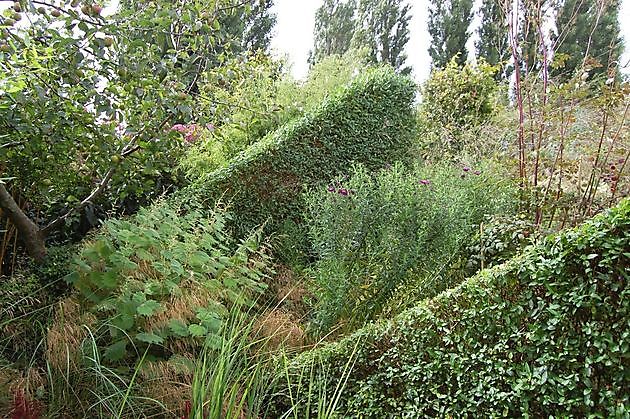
x: 466, y: 169
x: 425, y: 182
x: 477, y: 172
x: 210, y: 127
x: 343, y: 191
x: 331, y: 189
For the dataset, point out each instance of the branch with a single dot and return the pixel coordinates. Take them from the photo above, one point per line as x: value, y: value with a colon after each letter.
x: 127, y: 150
x: 28, y: 230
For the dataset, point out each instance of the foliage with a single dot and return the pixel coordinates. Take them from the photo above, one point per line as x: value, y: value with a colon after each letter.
x: 588, y: 30
x: 499, y: 239
x: 241, y: 98
x: 383, y: 234
x: 492, y: 44
x: 165, y: 279
x: 334, y: 27
x: 544, y: 334
x: 371, y: 121
x: 454, y: 99
x: 382, y: 26
x: 85, y: 97
x: 231, y: 379
x: 249, y: 102
x: 448, y: 26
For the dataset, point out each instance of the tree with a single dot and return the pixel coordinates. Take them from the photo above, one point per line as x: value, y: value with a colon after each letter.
x: 334, y: 28
x: 448, y: 26
x: 383, y: 28
x: 86, y: 102
x: 493, y: 45
x: 587, y: 29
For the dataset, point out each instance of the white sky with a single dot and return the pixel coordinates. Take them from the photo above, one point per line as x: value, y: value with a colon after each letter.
x: 296, y: 21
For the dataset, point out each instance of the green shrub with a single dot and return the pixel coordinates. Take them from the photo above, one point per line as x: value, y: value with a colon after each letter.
x: 455, y: 99
x: 370, y: 122
x: 544, y: 334
x: 379, y: 234
x: 166, y: 278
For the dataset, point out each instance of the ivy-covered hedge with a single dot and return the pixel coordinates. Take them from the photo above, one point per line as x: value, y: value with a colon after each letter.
x: 546, y: 333
x: 371, y: 122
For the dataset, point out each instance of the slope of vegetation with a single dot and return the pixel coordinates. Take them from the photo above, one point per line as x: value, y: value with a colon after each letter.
x: 371, y: 122
x: 543, y: 334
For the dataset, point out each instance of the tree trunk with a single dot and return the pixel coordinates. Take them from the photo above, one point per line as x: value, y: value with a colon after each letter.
x: 28, y: 231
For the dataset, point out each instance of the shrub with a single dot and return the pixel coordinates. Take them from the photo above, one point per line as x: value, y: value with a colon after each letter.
x: 544, y: 334
x: 165, y: 279
x: 371, y: 121
x: 380, y: 234
x: 455, y: 99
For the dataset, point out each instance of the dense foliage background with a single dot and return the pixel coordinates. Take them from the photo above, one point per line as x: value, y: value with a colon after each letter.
x: 188, y: 231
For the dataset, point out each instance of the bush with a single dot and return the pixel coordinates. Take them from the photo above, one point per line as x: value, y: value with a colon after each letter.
x: 165, y: 279
x: 455, y: 99
x: 380, y: 234
x: 371, y: 122
x: 544, y: 334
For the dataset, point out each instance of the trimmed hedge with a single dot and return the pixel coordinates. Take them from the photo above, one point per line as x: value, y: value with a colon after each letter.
x: 546, y: 333
x: 371, y: 122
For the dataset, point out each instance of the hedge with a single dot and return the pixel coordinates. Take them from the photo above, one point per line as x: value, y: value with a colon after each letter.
x: 543, y: 334
x: 371, y: 121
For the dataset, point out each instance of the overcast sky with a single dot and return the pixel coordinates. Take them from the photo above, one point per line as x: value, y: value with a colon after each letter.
x: 296, y: 20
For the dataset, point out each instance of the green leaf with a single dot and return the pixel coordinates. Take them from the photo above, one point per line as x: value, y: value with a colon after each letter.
x: 178, y: 327
x: 197, y: 330
x: 149, y: 338
x: 148, y: 308
x: 116, y: 351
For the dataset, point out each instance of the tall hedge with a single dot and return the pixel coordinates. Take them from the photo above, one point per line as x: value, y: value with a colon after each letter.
x: 371, y: 121
x: 544, y: 334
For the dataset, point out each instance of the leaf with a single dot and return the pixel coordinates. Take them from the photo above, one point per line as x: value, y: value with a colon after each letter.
x: 148, y: 308
x: 197, y: 330
x: 116, y: 351
x: 149, y: 338
x: 178, y: 328
x: 123, y: 321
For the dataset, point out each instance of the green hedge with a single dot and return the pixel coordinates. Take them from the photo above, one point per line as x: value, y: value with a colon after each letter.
x: 544, y: 334
x: 371, y: 122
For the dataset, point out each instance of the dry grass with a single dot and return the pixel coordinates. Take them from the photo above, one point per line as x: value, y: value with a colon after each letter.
x: 278, y: 329
x: 66, y: 334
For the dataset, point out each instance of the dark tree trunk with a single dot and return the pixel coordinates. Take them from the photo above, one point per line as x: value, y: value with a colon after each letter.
x: 29, y: 232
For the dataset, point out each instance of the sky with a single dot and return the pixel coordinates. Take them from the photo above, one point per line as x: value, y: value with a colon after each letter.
x: 296, y: 21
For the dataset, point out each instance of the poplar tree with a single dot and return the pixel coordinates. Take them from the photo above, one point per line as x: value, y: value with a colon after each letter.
x: 334, y: 28
x: 587, y: 30
x: 448, y: 26
x: 383, y: 29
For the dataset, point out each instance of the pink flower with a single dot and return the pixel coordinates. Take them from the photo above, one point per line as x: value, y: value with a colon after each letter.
x: 425, y: 182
